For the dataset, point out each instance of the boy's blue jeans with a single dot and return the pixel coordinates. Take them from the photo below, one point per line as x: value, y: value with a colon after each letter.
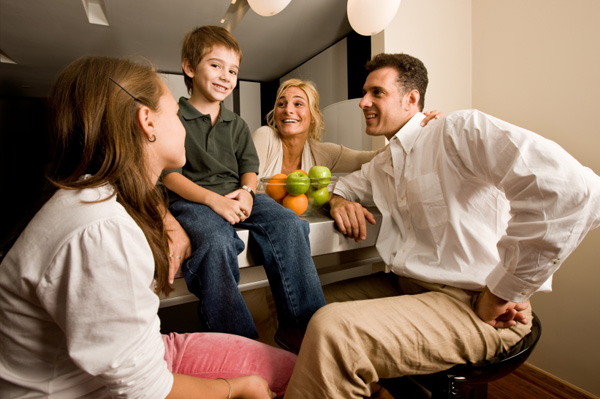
x: 212, y: 272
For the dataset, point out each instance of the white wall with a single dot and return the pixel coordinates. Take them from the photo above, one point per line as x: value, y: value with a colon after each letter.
x: 438, y: 32
x: 176, y: 84
x: 250, y: 104
x: 535, y: 64
x: 345, y: 124
x: 328, y: 71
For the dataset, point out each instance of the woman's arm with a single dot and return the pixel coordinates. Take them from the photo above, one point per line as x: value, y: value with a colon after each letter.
x: 180, y: 247
x: 338, y: 158
x: 247, y: 387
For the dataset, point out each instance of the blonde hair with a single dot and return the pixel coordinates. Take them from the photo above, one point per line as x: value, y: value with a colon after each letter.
x: 94, y: 105
x: 317, y: 126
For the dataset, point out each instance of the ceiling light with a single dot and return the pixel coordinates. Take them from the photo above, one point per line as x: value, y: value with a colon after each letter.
x: 368, y: 17
x: 95, y: 11
x: 267, y: 8
x: 5, y: 59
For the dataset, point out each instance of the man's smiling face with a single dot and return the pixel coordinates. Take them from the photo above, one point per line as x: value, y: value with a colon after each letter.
x: 385, y: 106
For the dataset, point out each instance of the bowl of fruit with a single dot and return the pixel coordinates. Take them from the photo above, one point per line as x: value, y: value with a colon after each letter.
x: 304, y: 193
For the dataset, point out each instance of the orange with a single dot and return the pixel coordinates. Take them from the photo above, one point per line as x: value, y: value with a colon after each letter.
x: 300, y: 170
x: 297, y: 203
x: 276, y: 186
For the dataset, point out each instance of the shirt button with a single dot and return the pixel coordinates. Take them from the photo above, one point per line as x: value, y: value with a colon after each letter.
x: 524, y: 293
x: 402, y: 197
x: 409, y: 227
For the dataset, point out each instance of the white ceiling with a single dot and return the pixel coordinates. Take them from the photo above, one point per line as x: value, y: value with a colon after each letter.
x: 42, y: 36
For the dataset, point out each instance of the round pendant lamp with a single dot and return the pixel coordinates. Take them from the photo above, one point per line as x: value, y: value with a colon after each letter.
x: 267, y: 8
x: 368, y: 17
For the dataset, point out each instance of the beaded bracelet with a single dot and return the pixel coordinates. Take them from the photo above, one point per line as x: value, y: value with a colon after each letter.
x: 228, y: 383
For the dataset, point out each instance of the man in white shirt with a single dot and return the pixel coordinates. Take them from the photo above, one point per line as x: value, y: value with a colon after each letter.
x: 477, y: 216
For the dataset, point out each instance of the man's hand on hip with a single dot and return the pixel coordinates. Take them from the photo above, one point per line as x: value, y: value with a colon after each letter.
x: 498, y: 312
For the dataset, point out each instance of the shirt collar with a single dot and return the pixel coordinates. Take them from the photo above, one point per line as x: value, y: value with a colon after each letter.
x: 189, y: 112
x: 408, y: 134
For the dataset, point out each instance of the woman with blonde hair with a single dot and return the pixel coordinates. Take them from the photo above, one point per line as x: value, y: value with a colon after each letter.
x: 292, y: 138
x: 78, y: 287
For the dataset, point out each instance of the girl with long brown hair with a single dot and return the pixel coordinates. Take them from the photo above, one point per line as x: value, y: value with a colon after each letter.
x: 78, y: 303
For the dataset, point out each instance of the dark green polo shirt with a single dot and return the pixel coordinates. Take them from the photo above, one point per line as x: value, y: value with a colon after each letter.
x: 216, y: 155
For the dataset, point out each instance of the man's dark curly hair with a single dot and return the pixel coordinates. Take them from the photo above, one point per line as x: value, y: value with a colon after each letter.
x: 412, y: 74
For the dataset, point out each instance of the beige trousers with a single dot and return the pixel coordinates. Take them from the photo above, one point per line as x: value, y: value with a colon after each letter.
x: 350, y: 345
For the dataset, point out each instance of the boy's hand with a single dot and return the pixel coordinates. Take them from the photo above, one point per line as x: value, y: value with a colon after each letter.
x: 229, y: 207
x: 244, y: 198
x: 351, y: 217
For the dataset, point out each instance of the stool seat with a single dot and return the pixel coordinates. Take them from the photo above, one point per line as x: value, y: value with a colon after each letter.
x: 469, y: 381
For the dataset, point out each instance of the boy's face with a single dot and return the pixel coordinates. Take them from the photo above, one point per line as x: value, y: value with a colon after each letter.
x: 215, y: 76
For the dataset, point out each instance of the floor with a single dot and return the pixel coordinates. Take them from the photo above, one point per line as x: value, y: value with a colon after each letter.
x: 526, y: 382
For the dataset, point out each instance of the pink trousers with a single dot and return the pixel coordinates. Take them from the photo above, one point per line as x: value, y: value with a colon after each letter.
x: 212, y: 355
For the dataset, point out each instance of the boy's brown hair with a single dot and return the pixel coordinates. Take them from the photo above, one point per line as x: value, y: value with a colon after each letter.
x: 200, y: 41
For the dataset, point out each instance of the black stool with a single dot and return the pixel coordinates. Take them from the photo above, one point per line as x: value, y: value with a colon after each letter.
x: 469, y: 381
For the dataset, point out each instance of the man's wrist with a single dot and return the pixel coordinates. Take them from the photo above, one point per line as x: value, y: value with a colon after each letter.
x: 335, y: 199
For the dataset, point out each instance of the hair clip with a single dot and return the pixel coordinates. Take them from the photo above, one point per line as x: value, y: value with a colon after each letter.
x: 125, y: 90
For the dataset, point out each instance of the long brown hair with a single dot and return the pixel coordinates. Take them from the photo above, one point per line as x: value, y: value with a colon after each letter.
x: 94, y: 131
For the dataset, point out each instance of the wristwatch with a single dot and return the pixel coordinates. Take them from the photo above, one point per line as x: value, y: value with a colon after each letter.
x: 249, y: 190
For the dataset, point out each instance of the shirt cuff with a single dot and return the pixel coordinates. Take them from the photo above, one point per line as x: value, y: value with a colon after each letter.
x: 341, y: 190
x: 509, y: 287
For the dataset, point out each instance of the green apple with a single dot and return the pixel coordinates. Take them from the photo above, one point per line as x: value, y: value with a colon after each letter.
x: 317, y: 197
x: 320, y: 176
x: 297, y: 183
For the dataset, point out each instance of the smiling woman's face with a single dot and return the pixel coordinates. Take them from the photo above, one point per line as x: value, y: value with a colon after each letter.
x: 293, y: 113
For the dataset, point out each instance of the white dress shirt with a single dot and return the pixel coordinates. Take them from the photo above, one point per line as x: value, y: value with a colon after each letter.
x: 78, y: 315
x: 470, y: 200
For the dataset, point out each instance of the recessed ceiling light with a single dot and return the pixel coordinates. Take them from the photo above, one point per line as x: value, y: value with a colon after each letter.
x: 5, y: 59
x: 95, y: 11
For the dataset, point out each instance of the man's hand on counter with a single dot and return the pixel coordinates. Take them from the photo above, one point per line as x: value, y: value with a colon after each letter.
x: 351, y: 217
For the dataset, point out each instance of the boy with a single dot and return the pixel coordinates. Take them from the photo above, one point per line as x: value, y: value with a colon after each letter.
x: 214, y: 192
